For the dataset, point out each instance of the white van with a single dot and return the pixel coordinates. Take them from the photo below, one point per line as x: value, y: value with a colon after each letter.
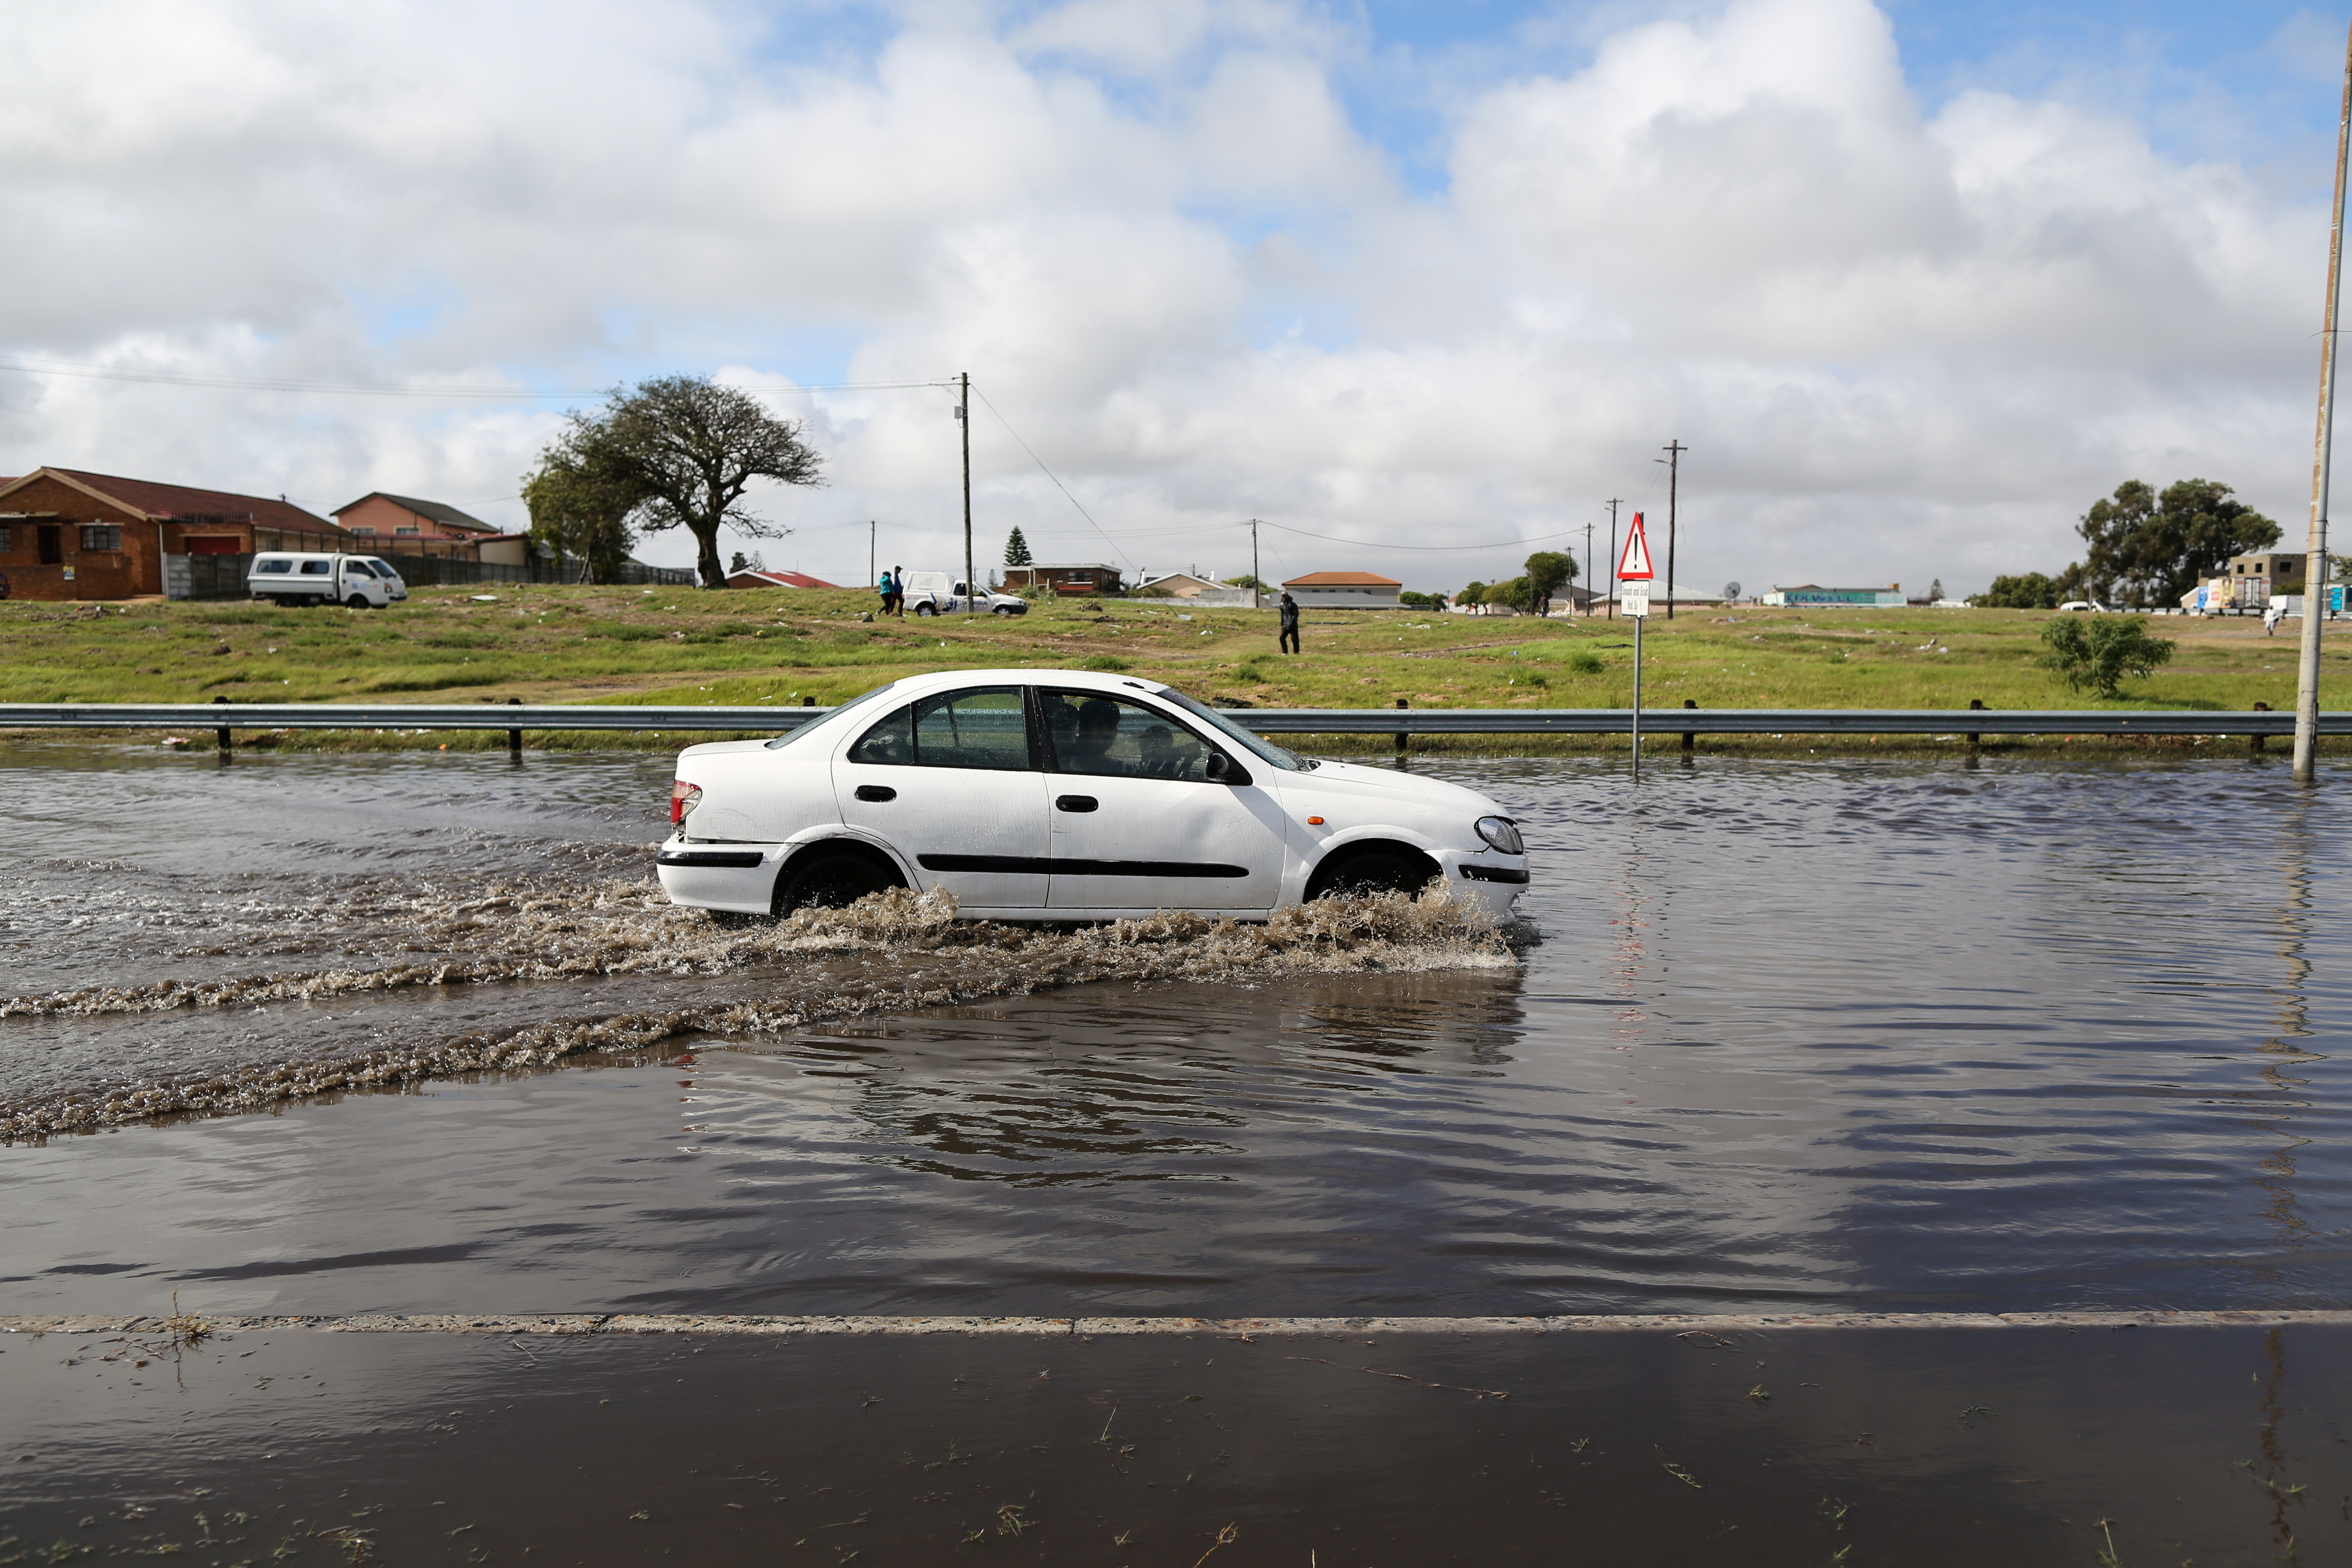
x: 937, y: 593
x: 304, y: 577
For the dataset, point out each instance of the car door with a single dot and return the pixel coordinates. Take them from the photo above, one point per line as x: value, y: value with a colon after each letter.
x: 951, y: 781
x: 1138, y: 825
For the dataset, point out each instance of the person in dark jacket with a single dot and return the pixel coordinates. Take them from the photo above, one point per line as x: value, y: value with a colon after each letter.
x: 1288, y: 642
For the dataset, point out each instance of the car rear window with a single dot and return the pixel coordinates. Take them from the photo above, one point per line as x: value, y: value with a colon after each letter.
x: 977, y: 727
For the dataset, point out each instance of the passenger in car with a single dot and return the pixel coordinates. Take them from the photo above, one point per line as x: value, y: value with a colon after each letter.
x: 1090, y: 751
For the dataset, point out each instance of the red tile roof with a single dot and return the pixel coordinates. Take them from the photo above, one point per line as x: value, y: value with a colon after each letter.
x: 1342, y: 580
x: 158, y: 500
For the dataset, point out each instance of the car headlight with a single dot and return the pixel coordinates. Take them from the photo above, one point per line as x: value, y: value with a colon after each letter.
x: 1503, y: 834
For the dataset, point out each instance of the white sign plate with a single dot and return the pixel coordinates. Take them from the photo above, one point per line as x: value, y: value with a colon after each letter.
x: 1636, y: 599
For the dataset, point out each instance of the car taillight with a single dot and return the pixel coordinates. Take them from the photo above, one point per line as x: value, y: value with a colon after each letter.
x: 682, y: 799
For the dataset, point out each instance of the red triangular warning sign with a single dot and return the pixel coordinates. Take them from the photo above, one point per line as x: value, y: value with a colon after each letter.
x: 1634, y: 567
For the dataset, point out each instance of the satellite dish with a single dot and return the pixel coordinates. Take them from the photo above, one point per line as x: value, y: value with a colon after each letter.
x: 1731, y: 590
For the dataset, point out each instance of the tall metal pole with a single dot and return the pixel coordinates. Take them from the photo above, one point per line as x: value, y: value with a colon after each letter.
x: 2314, y: 567
x: 1674, y: 473
x: 870, y: 578
x: 1637, y: 697
x: 963, y: 415
x: 1615, y: 502
x: 1257, y: 591
x: 1587, y: 567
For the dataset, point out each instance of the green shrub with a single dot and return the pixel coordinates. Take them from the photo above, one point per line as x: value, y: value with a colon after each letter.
x: 1107, y: 663
x: 2097, y: 651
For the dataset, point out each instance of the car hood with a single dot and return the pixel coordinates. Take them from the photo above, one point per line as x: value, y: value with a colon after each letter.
x: 1353, y: 778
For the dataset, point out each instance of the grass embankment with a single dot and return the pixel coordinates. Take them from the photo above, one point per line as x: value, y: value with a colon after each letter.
x: 675, y: 645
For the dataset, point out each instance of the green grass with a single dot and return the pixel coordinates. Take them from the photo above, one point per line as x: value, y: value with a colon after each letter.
x: 549, y: 644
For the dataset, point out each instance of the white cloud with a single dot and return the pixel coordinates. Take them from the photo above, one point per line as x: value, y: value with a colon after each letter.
x: 1899, y: 344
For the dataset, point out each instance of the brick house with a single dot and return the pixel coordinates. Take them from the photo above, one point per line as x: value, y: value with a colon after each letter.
x: 1345, y: 591
x: 68, y: 534
x: 406, y: 525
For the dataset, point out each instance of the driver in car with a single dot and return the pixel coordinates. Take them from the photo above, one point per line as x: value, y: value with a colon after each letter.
x: 1090, y: 750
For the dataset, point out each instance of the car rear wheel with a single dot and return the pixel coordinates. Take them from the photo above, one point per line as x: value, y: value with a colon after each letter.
x: 1380, y: 868
x: 833, y: 880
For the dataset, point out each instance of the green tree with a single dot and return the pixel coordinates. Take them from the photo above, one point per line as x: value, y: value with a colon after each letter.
x: 2149, y: 549
x: 1246, y: 580
x: 1017, y: 549
x: 1472, y: 594
x: 2097, y: 651
x: 690, y: 448
x: 1547, y: 569
x: 1518, y: 594
x: 2027, y: 591
x: 582, y: 497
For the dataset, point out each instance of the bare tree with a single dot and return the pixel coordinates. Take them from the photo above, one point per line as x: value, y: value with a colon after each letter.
x: 692, y: 448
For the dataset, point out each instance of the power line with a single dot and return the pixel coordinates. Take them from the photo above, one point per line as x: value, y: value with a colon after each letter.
x: 1049, y: 473
x: 378, y: 389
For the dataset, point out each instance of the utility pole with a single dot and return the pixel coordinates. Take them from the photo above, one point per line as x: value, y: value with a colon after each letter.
x: 1615, y: 502
x: 870, y: 578
x: 1257, y: 590
x: 1587, y: 564
x: 1675, y: 451
x: 2314, y: 566
x: 964, y: 417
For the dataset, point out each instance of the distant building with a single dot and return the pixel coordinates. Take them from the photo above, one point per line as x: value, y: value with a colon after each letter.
x: 1812, y: 596
x: 1063, y: 579
x: 765, y: 579
x: 1345, y: 591
x: 414, y: 526
x: 68, y: 534
x: 1177, y: 585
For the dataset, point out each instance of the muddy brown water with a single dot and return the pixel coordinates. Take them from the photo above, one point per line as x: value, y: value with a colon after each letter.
x: 1921, y: 1448
x: 1793, y: 1036
x: 1891, y: 1035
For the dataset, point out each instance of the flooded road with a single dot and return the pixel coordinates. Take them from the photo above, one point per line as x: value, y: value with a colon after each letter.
x: 1829, y: 1036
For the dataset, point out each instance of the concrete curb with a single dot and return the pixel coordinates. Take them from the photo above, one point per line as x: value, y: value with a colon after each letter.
x: 581, y: 1324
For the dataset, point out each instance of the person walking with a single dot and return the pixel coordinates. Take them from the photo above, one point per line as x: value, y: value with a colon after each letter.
x: 2272, y: 613
x: 1288, y: 641
x: 894, y: 595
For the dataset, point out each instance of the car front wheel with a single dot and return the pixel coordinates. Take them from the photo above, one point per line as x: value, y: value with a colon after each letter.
x: 1381, y: 869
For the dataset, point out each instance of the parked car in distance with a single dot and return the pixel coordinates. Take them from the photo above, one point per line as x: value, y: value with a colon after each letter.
x: 2082, y: 604
x: 1062, y: 794
x: 937, y: 593
x: 313, y: 577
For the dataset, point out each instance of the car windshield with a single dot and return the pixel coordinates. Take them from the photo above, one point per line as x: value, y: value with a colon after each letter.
x: 1256, y: 745
x: 359, y: 569
x: 382, y: 568
x: 813, y: 725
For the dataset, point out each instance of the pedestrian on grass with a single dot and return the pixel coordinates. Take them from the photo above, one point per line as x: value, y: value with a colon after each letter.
x: 2271, y: 614
x: 1288, y: 641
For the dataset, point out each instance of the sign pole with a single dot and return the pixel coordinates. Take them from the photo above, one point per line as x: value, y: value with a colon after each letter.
x: 1634, y: 573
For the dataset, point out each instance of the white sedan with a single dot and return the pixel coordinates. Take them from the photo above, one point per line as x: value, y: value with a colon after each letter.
x: 1061, y: 794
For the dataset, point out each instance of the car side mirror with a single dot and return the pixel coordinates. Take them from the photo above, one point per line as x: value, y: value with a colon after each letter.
x: 1222, y: 768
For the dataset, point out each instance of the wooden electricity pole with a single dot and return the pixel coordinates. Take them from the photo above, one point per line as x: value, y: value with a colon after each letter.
x: 1675, y: 451
x: 964, y: 417
x: 2314, y: 566
x: 1615, y: 502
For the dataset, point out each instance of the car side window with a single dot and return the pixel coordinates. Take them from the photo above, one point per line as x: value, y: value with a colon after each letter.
x: 358, y: 569
x: 314, y: 569
x: 1111, y: 737
x: 274, y: 566
x: 980, y: 727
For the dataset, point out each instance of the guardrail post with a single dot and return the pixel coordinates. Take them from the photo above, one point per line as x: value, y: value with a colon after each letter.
x: 220, y: 736
x: 1401, y: 738
x: 514, y: 737
x: 1976, y: 705
x: 1690, y: 737
x: 2256, y: 750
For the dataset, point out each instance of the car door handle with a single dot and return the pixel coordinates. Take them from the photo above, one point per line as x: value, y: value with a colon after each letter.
x: 876, y: 791
x: 1076, y: 803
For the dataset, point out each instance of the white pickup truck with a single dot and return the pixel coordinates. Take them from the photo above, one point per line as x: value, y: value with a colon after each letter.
x: 308, y: 577
x: 937, y: 593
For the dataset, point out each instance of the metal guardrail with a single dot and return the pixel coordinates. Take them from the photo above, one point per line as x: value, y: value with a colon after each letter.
x: 1265, y: 721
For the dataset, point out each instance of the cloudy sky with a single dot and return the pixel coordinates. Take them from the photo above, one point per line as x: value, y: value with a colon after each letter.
x: 1913, y: 282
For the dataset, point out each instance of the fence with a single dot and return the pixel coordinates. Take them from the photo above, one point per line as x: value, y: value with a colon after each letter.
x: 1952, y: 721
x: 223, y: 577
